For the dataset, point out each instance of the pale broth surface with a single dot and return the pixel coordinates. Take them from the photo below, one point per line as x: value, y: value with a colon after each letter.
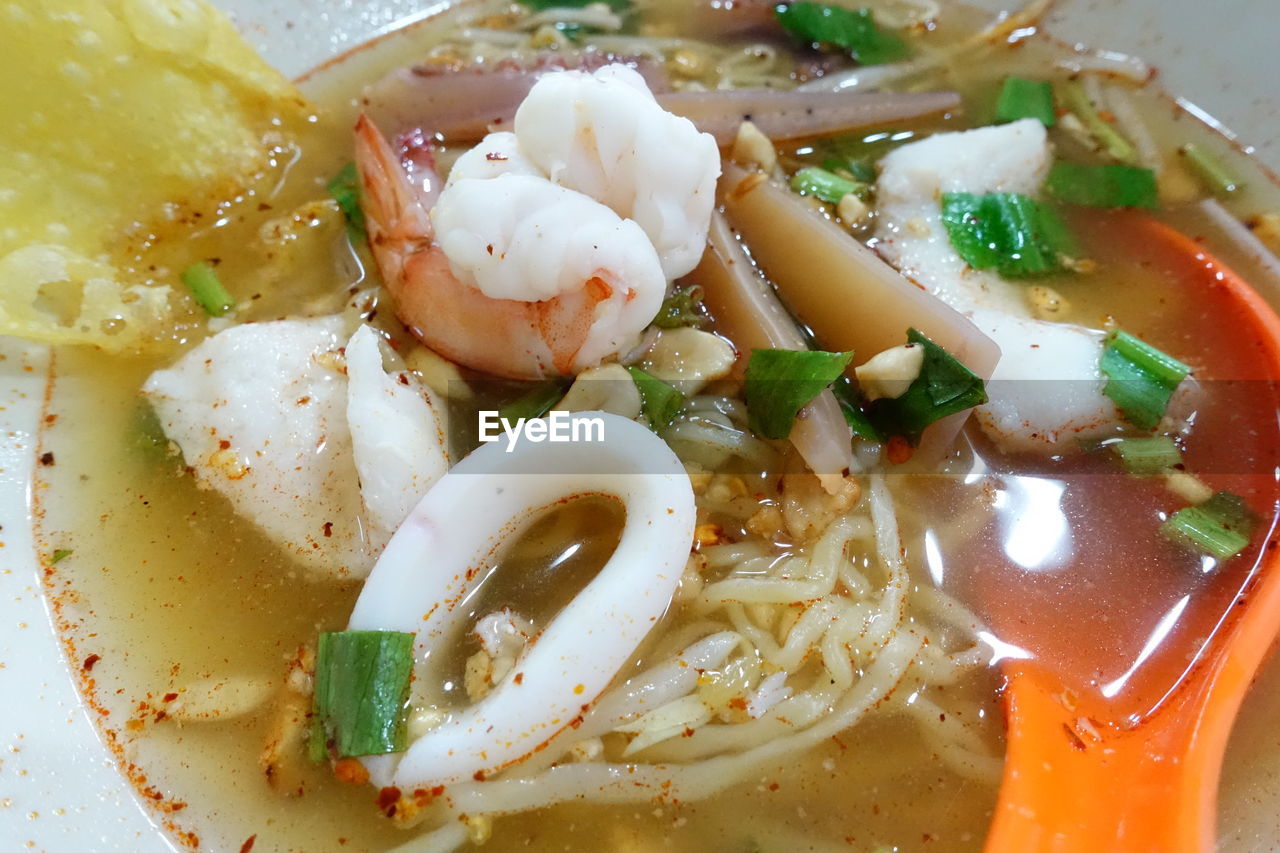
x: 166, y: 588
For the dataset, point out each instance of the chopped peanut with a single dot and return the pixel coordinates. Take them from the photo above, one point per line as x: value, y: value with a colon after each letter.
x: 1266, y: 227
x: 853, y: 210
x: 1046, y: 303
x: 890, y: 373
x: 752, y: 148
x: 351, y: 771
x: 707, y: 534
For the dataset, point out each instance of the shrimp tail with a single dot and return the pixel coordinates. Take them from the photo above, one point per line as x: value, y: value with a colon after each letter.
x: 396, y: 206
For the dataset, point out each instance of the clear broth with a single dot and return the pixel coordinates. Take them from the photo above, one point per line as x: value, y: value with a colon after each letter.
x: 165, y: 586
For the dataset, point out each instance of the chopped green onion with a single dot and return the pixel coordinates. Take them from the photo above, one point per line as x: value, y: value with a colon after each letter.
x: 208, y: 291
x: 658, y: 400
x: 1210, y: 170
x: 1021, y: 98
x: 146, y: 433
x: 944, y: 387
x: 534, y: 403
x: 1140, y: 378
x: 60, y: 554
x: 846, y: 394
x: 780, y: 382
x: 822, y: 184
x: 1198, y: 530
x: 1145, y: 455
x: 345, y: 189
x: 573, y: 32
x: 860, y: 171
x: 1009, y: 232
x: 682, y: 308
x: 361, y: 693
x: 1230, y: 510
x: 1076, y: 99
x: 853, y: 30
x: 1104, y: 186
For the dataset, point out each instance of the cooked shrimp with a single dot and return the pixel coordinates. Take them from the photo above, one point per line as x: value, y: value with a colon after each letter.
x: 603, y: 134
x: 523, y: 279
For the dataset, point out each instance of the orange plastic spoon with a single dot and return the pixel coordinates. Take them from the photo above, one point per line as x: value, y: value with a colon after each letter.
x: 1072, y: 786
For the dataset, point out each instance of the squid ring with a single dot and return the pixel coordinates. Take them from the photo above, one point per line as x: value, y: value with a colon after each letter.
x: 427, y: 572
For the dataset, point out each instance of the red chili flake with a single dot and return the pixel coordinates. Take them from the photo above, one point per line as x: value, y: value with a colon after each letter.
x: 404, y: 380
x: 388, y: 797
x: 224, y: 444
x: 478, y: 775
x: 350, y: 770
x: 90, y: 661
x: 328, y: 529
x: 519, y: 679
x: 169, y: 697
x: 898, y: 449
x: 46, y: 458
x: 248, y: 843
x: 774, y: 786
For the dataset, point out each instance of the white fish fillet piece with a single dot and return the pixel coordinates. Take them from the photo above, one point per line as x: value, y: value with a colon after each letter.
x: 1008, y: 158
x: 396, y: 435
x: 259, y: 411
x: 1046, y: 391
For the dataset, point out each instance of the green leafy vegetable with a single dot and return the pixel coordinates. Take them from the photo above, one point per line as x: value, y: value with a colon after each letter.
x: 1230, y: 510
x: 944, y: 387
x: 146, y: 434
x: 853, y: 30
x: 345, y: 189
x: 536, y: 402
x: 860, y: 171
x: 780, y: 382
x: 846, y: 394
x: 1008, y: 232
x: 1076, y: 99
x: 658, y: 400
x: 1210, y: 170
x: 682, y: 308
x: 1145, y: 455
x: 361, y: 693
x: 60, y: 554
x: 619, y: 6
x: 1104, y: 186
x: 822, y: 184
x: 573, y: 32
x: 1220, y: 526
x: 1140, y: 378
x: 207, y: 289
x: 1021, y: 98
